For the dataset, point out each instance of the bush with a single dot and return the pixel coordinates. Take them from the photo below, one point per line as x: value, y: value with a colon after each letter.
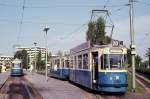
x: 144, y: 71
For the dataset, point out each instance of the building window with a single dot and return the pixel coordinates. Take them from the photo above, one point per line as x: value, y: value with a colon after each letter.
x: 85, y: 61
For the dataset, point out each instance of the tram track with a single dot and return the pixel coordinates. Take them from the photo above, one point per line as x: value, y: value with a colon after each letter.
x: 18, y: 88
x: 145, y: 82
x: 142, y: 80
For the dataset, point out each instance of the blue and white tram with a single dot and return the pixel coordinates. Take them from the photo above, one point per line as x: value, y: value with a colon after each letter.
x: 60, y: 67
x: 100, y: 68
x: 16, y: 68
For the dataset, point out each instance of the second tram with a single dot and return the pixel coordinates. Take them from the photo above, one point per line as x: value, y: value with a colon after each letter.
x: 60, y: 67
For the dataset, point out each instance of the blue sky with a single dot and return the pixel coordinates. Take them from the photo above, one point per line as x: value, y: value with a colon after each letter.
x: 66, y: 17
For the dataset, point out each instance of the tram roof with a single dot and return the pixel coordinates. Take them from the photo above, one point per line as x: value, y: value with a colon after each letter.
x: 87, y: 45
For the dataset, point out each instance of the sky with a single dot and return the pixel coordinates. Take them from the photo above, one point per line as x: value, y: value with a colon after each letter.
x: 67, y: 20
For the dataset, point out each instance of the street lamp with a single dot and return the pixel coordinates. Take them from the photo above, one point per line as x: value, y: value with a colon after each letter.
x: 46, y: 30
x: 35, y: 56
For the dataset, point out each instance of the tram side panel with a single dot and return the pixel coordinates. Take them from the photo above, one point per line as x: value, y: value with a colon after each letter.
x: 112, y: 81
x: 83, y: 77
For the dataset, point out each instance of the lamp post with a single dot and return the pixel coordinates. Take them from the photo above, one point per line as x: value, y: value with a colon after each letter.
x: 35, y: 56
x: 46, y: 30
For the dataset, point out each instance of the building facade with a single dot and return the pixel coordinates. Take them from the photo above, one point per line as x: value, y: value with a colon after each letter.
x: 6, y: 61
x: 33, y: 53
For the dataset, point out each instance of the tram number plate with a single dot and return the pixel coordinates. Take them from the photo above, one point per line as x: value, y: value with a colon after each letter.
x: 117, y: 81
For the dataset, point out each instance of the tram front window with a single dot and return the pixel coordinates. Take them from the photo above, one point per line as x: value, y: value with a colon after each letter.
x: 16, y: 66
x: 113, y: 61
x: 116, y: 61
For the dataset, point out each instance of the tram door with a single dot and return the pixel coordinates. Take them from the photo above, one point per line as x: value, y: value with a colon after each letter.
x: 95, y: 68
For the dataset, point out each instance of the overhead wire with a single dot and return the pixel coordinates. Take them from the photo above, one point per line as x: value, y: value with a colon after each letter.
x: 142, y: 2
x: 73, y: 32
x: 105, y: 6
x: 20, y: 24
x: 51, y: 6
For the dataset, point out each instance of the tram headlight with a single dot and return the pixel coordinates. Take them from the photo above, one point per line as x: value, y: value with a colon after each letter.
x: 117, y: 77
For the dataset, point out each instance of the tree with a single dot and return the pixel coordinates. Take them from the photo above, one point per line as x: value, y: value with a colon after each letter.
x: 18, y: 55
x: 49, y: 56
x: 23, y: 56
x: 38, y: 61
x: 24, y: 59
x: 138, y: 61
x: 148, y: 55
x: 90, y: 35
x: 96, y: 32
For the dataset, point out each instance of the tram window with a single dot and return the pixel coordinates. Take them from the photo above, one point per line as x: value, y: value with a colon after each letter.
x: 80, y: 61
x: 105, y: 61
x: 58, y: 63
x: 71, y: 63
x: 16, y: 66
x: 112, y: 61
x: 115, y: 61
x: 75, y: 62
x: 102, y: 62
x: 125, y: 62
x: 67, y: 63
x: 85, y: 61
x: 63, y: 63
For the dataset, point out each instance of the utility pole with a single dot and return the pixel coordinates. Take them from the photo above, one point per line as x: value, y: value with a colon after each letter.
x: 132, y: 46
x: 46, y: 30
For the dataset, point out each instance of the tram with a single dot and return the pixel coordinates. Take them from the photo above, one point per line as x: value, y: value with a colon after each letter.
x: 99, y: 67
x: 60, y: 67
x: 16, y: 68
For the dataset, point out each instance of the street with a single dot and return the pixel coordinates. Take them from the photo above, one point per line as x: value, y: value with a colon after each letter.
x: 34, y: 86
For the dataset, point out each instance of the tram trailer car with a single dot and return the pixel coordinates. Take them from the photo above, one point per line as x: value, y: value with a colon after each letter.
x: 60, y: 67
x: 16, y: 69
x: 100, y: 68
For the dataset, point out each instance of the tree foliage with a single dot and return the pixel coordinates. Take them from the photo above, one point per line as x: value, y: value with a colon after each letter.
x: 23, y: 56
x: 138, y: 59
x: 40, y: 63
x: 96, y: 32
x: 148, y: 55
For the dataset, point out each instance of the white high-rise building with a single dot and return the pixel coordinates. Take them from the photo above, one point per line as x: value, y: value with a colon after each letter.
x: 33, y: 53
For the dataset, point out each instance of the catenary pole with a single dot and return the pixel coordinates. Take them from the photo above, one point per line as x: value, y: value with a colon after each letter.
x: 132, y: 46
